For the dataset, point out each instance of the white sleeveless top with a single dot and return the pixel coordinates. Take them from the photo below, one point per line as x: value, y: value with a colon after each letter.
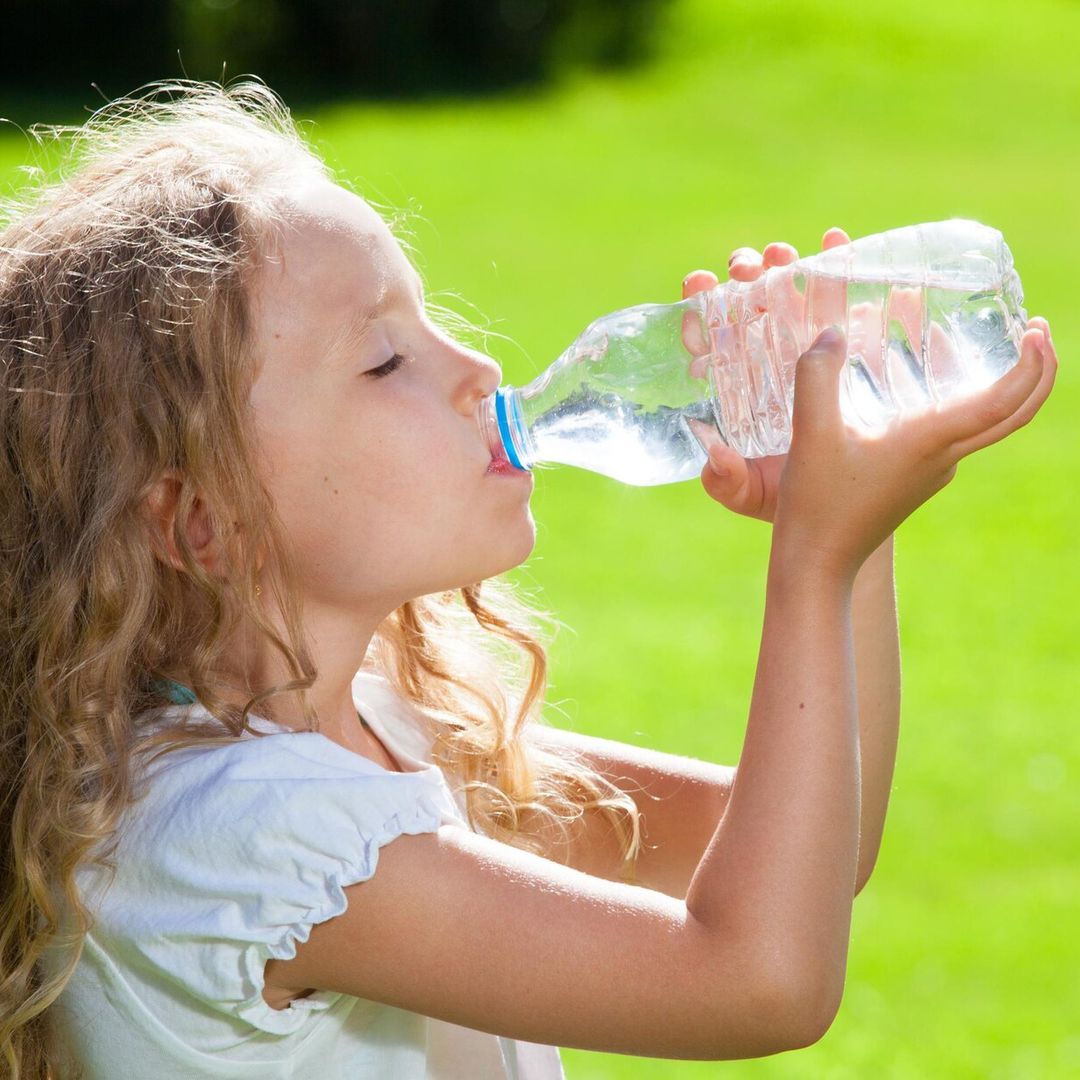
x: 233, y: 855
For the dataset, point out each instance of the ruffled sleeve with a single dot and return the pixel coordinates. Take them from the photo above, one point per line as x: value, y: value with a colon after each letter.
x: 236, y: 853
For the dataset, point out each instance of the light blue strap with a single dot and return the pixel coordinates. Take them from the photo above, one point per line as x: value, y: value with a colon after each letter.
x: 177, y: 694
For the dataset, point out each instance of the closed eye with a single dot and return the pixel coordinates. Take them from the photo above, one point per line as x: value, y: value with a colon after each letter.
x: 388, y: 368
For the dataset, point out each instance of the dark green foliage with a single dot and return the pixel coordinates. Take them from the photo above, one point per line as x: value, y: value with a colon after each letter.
x: 374, y: 48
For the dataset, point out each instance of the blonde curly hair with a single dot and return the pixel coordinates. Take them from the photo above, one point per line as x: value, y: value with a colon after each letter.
x: 123, y: 341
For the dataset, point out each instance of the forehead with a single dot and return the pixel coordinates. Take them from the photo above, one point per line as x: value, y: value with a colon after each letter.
x: 333, y: 257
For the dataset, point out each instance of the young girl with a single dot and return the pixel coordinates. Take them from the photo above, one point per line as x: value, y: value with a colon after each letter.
x: 276, y: 802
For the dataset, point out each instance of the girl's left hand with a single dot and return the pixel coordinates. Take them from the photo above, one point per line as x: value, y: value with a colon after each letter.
x: 747, y: 485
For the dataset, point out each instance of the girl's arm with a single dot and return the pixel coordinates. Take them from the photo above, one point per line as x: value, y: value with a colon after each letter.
x: 781, y: 867
x: 797, y: 791
x: 877, y: 677
x: 683, y: 799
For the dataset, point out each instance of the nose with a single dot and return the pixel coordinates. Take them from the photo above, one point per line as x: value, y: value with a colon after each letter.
x: 477, y: 376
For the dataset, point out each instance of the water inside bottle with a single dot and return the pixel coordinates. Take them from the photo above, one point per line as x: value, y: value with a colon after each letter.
x: 623, y: 440
x: 908, y: 347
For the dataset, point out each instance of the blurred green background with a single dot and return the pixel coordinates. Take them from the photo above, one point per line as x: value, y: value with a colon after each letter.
x: 542, y: 207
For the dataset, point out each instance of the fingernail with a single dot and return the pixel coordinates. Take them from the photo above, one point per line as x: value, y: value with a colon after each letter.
x: 830, y: 337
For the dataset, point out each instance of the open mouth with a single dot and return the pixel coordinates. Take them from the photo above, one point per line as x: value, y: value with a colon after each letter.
x: 489, y: 431
x: 501, y: 466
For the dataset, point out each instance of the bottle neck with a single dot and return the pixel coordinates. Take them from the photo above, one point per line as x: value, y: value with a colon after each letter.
x: 504, y: 429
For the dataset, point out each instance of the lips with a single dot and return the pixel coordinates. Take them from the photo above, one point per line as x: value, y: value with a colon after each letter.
x: 499, y: 463
x: 489, y: 432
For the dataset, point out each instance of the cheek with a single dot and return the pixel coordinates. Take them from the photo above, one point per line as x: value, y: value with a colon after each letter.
x: 412, y: 439
x: 367, y: 459
x: 313, y: 485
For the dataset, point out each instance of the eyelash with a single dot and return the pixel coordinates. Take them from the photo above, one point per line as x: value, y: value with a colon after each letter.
x: 388, y: 368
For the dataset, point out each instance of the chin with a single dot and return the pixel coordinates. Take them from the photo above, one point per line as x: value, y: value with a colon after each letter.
x: 528, y: 543
x: 508, y: 558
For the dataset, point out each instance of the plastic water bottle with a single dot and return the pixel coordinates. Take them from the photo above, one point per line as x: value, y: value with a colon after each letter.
x: 930, y: 312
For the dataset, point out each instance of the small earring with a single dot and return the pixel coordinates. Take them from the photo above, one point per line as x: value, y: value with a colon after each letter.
x: 258, y: 590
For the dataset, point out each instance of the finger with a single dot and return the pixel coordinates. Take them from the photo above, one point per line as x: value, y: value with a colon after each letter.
x: 905, y: 305
x: 778, y: 254
x: 1027, y: 410
x: 816, y: 407
x: 788, y: 294
x: 826, y: 303
x: 823, y: 307
x: 695, y: 339
x: 1039, y: 322
x: 722, y: 461
x: 833, y: 237
x: 725, y: 478
x: 970, y: 421
x: 745, y: 264
x: 726, y: 465
x: 698, y: 281
x: 743, y: 253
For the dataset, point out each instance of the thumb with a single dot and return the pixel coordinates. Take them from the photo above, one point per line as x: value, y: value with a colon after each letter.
x: 817, y: 382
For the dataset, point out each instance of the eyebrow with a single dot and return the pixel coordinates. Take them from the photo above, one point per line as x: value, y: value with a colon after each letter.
x: 355, y: 331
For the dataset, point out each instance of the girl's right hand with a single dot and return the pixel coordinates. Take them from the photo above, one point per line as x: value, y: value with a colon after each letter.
x: 843, y: 491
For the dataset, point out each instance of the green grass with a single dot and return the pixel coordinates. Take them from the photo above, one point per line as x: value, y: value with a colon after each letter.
x: 758, y: 124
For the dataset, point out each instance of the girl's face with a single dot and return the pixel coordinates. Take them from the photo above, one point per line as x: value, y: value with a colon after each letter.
x: 379, y: 475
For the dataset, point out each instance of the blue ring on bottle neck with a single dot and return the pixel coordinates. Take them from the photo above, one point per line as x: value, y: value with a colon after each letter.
x: 504, y: 431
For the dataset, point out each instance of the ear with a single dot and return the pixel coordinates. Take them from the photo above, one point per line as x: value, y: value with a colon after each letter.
x: 161, y: 509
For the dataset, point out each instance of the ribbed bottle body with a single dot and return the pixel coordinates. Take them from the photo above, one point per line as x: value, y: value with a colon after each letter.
x: 930, y: 312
